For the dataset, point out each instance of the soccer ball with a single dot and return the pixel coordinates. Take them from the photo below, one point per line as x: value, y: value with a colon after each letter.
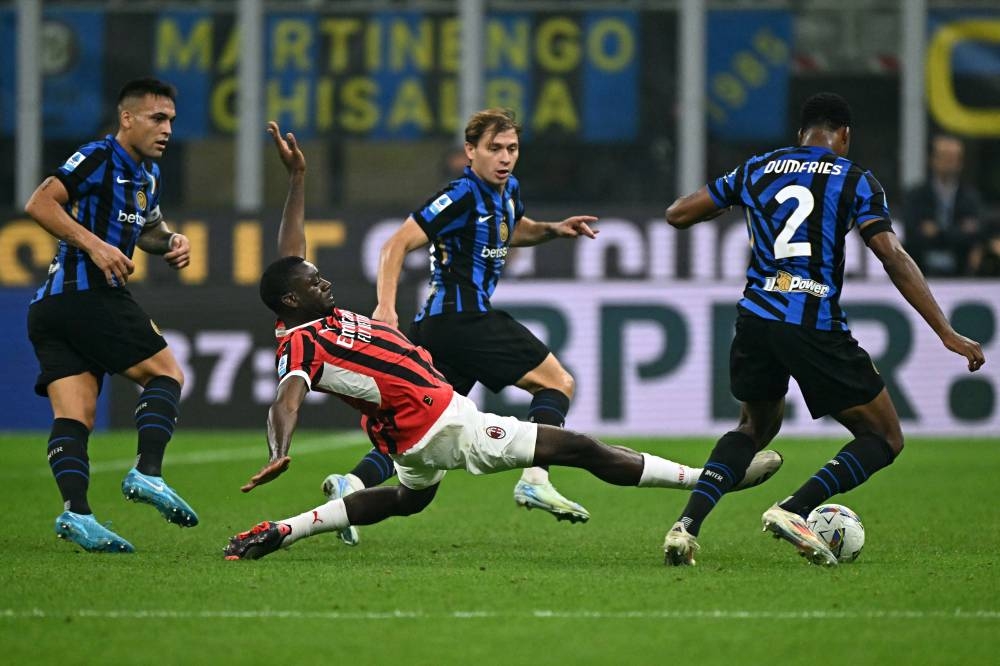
x: 840, y: 528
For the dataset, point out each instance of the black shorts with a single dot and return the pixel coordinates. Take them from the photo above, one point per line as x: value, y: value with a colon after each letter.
x: 489, y: 347
x: 98, y: 331
x: 832, y: 370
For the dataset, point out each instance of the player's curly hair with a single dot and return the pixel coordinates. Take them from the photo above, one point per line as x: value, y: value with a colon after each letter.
x: 490, y: 122
x: 827, y: 110
x: 277, y: 281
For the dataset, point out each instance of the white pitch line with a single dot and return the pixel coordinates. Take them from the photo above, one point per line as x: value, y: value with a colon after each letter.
x: 306, y: 446
x: 956, y: 614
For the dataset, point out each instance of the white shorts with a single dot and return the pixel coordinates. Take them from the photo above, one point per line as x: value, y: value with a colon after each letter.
x: 466, y: 438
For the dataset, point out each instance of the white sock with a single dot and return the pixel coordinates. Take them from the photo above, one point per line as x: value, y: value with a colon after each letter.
x: 659, y: 472
x: 324, y: 518
x: 535, y: 475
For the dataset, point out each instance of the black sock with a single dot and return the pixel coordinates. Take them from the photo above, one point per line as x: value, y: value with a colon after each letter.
x: 549, y: 406
x: 374, y: 469
x: 726, y: 466
x: 155, y: 418
x: 857, y: 461
x: 70, y: 464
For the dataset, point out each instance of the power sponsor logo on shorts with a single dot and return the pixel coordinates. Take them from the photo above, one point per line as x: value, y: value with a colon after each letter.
x: 786, y: 282
x: 495, y: 432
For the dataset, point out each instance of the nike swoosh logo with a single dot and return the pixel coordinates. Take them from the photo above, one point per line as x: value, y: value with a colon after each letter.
x: 158, y: 487
x: 122, y: 181
x: 483, y: 218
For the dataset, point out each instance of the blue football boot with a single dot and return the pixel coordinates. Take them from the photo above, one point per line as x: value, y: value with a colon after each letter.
x: 138, y: 487
x: 86, y: 532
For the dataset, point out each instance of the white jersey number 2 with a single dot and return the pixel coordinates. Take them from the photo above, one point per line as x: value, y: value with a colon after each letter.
x: 782, y: 247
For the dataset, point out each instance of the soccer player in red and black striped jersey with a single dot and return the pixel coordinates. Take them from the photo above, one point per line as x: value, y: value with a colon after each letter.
x: 410, y: 412
x: 800, y: 204
x: 101, y: 204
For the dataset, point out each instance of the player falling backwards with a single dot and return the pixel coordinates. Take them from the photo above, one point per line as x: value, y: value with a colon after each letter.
x: 800, y: 204
x: 408, y: 409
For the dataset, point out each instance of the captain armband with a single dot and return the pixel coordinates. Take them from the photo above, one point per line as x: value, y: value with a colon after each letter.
x: 153, y: 218
x: 876, y: 227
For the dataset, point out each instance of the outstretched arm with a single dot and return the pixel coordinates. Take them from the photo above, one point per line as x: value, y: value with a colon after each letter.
x: 529, y: 232
x: 292, y: 232
x: 406, y: 239
x: 910, y: 282
x: 282, y: 418
x: 692, y: 209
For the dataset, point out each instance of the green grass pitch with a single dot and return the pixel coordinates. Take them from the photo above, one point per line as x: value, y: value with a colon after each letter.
x: 475, y: 580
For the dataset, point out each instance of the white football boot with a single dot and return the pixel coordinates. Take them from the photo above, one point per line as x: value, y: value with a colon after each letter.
x: 792, y: 528
x: 337, y: 486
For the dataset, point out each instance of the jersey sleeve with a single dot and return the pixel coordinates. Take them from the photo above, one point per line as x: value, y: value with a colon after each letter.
x: 445, y: 210
x: 515, y: 196
x: 83, y: 171
x: 298, y: 357
x: 153, y: 214
x: 870, y: 203
x: 727, y: 190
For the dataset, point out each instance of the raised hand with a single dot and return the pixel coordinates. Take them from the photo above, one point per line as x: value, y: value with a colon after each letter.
x: 288, y: 149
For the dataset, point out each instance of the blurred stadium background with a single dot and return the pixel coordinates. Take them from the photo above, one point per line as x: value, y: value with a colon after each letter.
x: 624, y: 104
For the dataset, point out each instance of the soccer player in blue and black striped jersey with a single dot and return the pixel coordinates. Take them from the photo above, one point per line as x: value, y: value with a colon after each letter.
x: 101, y: 204
x: 800, y: 203
x: 470, y: 226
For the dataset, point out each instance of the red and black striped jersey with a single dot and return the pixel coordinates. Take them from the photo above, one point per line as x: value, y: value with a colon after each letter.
x: 373, y: 368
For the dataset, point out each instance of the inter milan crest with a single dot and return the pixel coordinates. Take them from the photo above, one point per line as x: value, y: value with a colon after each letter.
x: 504, y: 232
x: 140, y: 199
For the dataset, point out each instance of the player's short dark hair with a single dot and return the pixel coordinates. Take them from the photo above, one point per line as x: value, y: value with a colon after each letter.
x: 492, y: 122
x: 827, y: 110
x: 277, y: 281
x: 146, y: 86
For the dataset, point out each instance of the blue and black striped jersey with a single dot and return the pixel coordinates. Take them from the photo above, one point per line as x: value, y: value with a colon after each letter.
x: 800, y: 203
x: 469, y: 224
x: 111, y: 195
